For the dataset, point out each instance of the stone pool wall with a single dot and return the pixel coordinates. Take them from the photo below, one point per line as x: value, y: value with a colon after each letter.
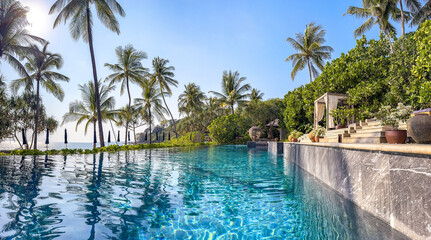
x: 396, y: 187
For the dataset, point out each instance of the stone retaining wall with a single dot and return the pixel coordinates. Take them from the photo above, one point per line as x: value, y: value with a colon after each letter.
x: 395, y: 187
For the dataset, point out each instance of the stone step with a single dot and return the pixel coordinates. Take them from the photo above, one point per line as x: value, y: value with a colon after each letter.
x: 365, y: 140
x: 367, y: 134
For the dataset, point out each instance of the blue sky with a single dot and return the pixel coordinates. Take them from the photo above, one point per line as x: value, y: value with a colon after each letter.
x: 201, y: 39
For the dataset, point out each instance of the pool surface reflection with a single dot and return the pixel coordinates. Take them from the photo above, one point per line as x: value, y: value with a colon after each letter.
x: 225, y: 192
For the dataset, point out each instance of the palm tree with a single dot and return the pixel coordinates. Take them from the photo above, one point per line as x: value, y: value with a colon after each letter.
x: 128, y: 69
x: 378, y: 12
x: 86, y: 110
x: 40, y: 68
x: 424, y: 13
x: 256, y: 95
x: 81, y: 26
x: 151, y: 104
x: 192, y: 99
x: 164, y: 76
x: 14, y: 38
x: 310, y: 49
x: 232, y: 91
x: 411, y: 5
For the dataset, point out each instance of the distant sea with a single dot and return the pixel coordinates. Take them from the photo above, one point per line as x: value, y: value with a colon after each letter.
x: 10, y: 145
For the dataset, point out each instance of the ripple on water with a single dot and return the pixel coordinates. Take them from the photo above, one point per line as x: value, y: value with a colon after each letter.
x: 224, y: 192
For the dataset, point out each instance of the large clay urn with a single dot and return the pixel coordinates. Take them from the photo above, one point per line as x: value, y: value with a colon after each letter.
x: 254, y: 133
x: 419, y: 128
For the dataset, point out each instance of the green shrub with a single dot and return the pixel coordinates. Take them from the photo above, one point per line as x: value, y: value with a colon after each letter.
x: 225, y: 129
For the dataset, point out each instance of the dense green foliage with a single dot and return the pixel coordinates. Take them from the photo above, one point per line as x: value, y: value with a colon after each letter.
x: 371, y: 77
x: 225, y: 129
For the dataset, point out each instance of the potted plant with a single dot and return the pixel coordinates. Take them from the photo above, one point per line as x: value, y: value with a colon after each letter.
x: 341, y: 115
x: 311, y: 136
x: 318, y: 133
x: 392, y: 117
x: 294, y: 135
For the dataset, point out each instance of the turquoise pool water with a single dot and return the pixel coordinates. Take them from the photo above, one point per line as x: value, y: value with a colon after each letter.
x: 224, y: 192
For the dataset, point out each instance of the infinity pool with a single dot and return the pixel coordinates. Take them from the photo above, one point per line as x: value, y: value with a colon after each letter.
x: 225, y: 192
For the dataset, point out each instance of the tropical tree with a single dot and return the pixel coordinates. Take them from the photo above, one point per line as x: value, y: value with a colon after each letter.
x: 423, y: 14
x: 256, y: 95
x: 192, y: 99
x: 150, y: 104
x: 233, y: 92
x: 85, y: 111
x: 164, y: 77
x: 5, y: 120
x: 130, y: 116
x: 411, y: 5
x: 378, y: 12
x: 311, y: 51
x: 41, y: 68
x: 14, y: 38
x: 80, y: 14
x: 129, y: 69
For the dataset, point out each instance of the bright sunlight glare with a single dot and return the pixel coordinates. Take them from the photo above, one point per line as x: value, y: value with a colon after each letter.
x: 37, y: 18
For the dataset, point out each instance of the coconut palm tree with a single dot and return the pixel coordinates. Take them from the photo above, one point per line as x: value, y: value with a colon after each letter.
x: 86, y: 110
x: 256, y: 95
x: 192, y: 99
x: 232, y: 90
x: 15, y: 40
x: 378, y: 12
x: 413, y: 6
x: 129, y: 69
x: 311, y: 51
x: 80, y: 15
x: 164, y: 76
x: 424, y: 13
x: 41, y: 68
x: 151, y: 104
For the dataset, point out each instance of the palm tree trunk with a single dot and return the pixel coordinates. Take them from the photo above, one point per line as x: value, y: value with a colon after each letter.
x: 128, y: 108
x: 134, y: 134
x: 36, y: 120
x: 389, y: 39
x: 172, y: 117
x: 96, y: 82
x: 94, y: 131
x: 309, y: 69
x: 402, y: 18
x: 149, y: 111
x: 232, y: 108
x: 113, y: 132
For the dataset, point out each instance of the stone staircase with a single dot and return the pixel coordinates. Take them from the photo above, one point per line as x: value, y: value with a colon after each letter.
x: 368, y: 131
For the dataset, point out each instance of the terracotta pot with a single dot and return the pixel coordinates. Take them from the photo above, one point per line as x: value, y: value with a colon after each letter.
x: 419, y: 128
x: 317, y: 139
x: 396, y: 136
x: 311, y: 137
x: 294, y: 140
x: 340, y: 127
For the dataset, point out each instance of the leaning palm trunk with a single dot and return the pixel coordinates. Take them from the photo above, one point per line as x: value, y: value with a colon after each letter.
x: 36, y: 120
x: 389, y: 40
x: 96, y: 83
x: 172, y: 117
x: 402, y: 18
x: 94, y: 132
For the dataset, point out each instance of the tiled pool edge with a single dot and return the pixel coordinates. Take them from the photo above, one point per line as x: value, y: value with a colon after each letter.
x: 394, y: 186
